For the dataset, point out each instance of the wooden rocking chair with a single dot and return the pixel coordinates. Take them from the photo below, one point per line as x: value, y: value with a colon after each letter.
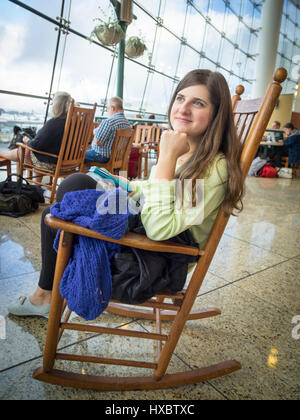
x: 252, y: 121
x: 7, y: 163
x: 152, y: 144
x: 120, y: 151
x: 77, y: 132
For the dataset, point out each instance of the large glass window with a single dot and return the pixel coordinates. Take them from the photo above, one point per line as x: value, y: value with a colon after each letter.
x: 133, y: 92
x: 158, y: 94
x: 27, y: 48
x: 227, y: 54
x: 174, y: 15
x: 189, y: 60
x: 83, y: 74
x: 212, y: 44
x: 217, y: 12
x: 50, y: 8
x: 166, y: 53
x: 289, y: 43
x: 180, y: 35
x: 195, y: 29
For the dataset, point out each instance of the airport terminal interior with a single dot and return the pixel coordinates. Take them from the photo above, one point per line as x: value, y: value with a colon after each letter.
x: 254, y: 277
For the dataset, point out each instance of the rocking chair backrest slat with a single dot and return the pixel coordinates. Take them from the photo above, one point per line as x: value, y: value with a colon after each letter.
x: 119, y: 153
x: 140, y: 134
x: 121, y: 150
x: 78, y: 130
x: 154, y: 133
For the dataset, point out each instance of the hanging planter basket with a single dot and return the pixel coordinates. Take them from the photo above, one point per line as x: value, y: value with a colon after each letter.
x: 108, y: 34
x: 135, y: 47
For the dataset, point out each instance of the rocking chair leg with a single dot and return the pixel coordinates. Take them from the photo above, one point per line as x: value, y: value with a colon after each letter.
x: 158, y: 327
x: 177, y: 327
x: 65, y: 320
x: 65, y: 245
x: 53, y: 190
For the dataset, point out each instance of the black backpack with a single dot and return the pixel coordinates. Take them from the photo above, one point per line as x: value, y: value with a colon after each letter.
x: 17, y: 198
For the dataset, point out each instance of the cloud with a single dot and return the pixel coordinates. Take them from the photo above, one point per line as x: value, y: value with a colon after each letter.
x: 11, y: 43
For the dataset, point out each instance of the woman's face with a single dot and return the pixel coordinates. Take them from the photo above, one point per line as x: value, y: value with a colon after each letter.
x: 191, y: 110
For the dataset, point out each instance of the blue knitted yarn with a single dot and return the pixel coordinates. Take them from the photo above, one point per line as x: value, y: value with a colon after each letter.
x: 86, y: 283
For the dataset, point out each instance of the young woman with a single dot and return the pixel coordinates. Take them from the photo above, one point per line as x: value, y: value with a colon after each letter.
x: 200, y: 145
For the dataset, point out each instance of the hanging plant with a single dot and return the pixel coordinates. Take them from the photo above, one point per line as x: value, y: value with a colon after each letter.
x: 135, y: 47
x: 108, y: 33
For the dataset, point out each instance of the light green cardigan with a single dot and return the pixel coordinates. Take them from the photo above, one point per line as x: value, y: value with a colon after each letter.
x: 164, y: 215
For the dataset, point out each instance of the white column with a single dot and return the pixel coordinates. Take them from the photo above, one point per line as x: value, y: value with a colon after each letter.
x: 297, y: 98
x: 267, y: 45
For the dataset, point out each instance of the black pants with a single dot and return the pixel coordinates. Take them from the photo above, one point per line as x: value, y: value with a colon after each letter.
x: 277, y: 154
x: 75, y: 182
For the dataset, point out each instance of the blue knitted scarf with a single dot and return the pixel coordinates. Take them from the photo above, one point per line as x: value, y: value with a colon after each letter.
x: 87, y: 283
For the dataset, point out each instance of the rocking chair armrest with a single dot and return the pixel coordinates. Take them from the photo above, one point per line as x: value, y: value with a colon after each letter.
x: 130, y: 239
x: 25, y: 146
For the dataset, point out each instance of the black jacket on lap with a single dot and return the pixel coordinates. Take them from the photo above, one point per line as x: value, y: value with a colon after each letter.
x: 138, y: 274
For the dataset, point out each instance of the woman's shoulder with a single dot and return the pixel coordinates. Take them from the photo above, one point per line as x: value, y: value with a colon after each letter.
x: 58, y: 120
x: 219, y: 162
x: 55, y: 122
x: 218, y: 169
x: 218, y: 165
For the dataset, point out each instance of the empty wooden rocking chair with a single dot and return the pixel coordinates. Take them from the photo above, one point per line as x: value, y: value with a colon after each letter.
x: 251, y: 118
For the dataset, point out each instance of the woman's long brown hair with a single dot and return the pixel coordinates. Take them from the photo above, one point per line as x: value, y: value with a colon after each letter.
x: 220, y: 136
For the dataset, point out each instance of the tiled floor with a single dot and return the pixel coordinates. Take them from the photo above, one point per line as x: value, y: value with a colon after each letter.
x: 254, y: 279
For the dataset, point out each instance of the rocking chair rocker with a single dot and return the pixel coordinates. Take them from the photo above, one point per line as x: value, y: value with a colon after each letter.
x: 251, y: 117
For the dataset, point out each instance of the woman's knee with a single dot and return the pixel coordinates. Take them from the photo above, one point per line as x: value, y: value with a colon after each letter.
x: 75, y: 182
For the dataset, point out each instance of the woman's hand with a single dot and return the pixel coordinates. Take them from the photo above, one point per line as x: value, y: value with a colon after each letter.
x: 173, y: 144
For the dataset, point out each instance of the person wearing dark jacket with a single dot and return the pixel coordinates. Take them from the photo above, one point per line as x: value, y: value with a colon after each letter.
x: 48, y: 138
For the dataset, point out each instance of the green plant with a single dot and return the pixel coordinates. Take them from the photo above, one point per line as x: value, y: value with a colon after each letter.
x: 135, y: 47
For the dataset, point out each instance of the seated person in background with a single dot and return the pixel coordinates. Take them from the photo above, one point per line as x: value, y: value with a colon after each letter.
x: 277, y: 136
x: 151, y: 117
x: 290, y: 130
x: 17, y: 138
x: 48, y: 138
x: 105, y: 134
x: 136, y: 122
x: 257, y: 164
x: 292, y: 143
x: 276, y: 153
x: 273, y: 136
